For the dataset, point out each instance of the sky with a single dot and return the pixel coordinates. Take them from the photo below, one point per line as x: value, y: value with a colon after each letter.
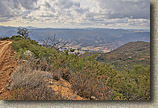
x: 126, y: 14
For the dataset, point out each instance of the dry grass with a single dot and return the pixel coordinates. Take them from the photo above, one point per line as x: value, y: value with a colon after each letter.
x: 27, y: 82
x: 90, y: 86
x: 38, y: 93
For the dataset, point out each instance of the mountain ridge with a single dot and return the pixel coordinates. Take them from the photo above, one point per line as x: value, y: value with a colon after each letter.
x: 94, y: 39
x: 128, y: 55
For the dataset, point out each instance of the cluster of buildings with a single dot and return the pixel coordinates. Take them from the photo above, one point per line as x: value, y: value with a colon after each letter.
x: 73, y: 51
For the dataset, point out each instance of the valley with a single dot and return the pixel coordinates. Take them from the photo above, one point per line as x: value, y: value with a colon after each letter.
x: 92, y: 39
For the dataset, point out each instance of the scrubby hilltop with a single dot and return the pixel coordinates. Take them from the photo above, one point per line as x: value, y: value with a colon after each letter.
x: 45, y: 73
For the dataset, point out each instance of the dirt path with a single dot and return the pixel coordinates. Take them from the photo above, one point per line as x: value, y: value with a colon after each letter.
x: 7, y: 65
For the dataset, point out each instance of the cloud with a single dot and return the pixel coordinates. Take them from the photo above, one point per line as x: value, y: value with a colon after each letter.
x: 86, y: 13
x: 14, y: 8
x: 65, y: 4
x: 27, y: 4
x: 125, y: 8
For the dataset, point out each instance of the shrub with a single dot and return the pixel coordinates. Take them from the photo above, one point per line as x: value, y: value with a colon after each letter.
x: 17, y: 38
x: 133, y: 85
x: 89, y: 85
x: 87, y: 76
x: 21, y: 44
x: 72, y: 50
x: 28, y: 82
x: 5, y: 38
x: 38, y: 93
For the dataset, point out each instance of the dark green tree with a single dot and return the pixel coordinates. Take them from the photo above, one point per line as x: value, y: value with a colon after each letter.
x: 23, y: 32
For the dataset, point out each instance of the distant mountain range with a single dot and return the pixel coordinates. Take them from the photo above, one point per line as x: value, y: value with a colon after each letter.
x: 94, y: 39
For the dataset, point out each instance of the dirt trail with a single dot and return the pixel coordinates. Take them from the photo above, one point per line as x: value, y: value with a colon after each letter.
x: 7, y: 65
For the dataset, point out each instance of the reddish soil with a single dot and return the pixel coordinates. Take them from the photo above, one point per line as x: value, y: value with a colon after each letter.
x: 7, y: 66
x: 63, y: 88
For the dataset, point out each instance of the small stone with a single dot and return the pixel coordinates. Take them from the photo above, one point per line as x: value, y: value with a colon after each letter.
x: 93, y: 98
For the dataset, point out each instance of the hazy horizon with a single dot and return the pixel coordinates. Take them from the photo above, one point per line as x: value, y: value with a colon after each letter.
x: 76, y: 28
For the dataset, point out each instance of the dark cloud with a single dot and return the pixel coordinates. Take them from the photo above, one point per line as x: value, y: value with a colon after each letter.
x: 81, y: 11
x: 28, y: 4
x: 66, y: 4
x: 4, y: 10
x: 13, y: 8
x: 125, y: 8
x: 48, y: 5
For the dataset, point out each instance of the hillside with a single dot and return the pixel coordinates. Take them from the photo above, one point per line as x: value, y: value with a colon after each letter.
x: 9, y: 67
x: 94, y: 39
x: 45, y: 73
x: 132, y: 53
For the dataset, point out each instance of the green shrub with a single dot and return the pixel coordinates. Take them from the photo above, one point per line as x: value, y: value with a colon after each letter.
x: 87, y: 76
x: 17, y: 38
x: 134, y: 85
x: 72, y: 50
x: 5, y: 38
x: 21, y: 44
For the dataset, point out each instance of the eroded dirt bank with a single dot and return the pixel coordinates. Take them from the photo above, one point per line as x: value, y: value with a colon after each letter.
x: 8, y: 63
x: 7, y: 66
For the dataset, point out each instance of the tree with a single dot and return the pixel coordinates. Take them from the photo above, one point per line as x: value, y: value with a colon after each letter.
x: 72, y: 50
x: 23, y: 32
x: 54, y: 42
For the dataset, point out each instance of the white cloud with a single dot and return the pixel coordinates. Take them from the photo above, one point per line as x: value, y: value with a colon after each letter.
x: 78, y: 13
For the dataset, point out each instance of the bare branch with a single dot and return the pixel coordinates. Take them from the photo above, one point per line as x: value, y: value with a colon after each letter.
x: 54, y: 42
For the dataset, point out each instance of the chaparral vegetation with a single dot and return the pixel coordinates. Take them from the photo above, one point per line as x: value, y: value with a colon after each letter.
x: 91, y: 76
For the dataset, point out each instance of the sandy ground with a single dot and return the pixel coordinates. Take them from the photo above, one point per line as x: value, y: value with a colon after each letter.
x: 63, y: 88
x: 7, y: 66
